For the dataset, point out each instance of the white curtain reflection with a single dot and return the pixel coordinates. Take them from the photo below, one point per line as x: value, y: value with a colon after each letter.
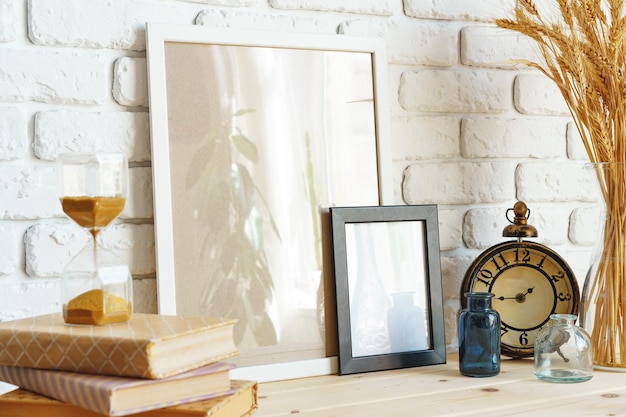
x: 311, y: 111
x: 287, y: 126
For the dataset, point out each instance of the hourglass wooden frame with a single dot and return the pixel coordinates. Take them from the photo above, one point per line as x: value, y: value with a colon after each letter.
x: 381, y: 253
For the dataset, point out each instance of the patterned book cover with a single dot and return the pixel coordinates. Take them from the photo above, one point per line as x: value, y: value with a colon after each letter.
x: 240, y: 401
x: 147, y: 346
x: 120, y: 396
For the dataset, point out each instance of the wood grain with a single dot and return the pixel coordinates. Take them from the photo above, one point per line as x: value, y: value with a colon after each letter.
x: 440, y: 390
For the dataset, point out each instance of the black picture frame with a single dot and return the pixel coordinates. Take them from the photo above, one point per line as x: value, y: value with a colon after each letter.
x: 380, y: 251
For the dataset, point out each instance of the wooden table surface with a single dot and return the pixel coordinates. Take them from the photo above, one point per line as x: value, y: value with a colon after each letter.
x: 440, y: 390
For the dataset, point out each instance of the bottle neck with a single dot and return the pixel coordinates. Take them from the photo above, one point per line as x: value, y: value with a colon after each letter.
x: 479, y: 301
x: 563, y: 320
x: 402, y: 298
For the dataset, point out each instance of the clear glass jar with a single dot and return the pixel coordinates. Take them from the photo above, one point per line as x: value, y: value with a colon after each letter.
x: 563, y: 351
x: 479, y: 337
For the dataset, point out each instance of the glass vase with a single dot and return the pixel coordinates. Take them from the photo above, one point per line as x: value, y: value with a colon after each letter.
x: 563, y: 351
x: 479, y: 337
x: 604, y: 292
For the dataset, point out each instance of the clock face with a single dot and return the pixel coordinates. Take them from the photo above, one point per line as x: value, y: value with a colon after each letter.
x: 529, y: 282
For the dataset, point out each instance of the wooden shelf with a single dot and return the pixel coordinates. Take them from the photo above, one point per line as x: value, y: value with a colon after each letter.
x: 440, y: 390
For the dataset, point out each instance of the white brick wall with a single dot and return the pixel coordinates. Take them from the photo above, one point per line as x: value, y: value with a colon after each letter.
x: 490, y: 137
x: 459, y: 182
x: 52, y: 76
x: 455, y: 91
x: 130, y: 82
x: 13, y: 133
x: 469, y: 131
x: 58, y: 131
x: 453, y: 10
x: 377, y: 7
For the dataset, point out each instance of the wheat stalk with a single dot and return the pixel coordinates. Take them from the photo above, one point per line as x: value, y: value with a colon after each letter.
x: 582, y: 49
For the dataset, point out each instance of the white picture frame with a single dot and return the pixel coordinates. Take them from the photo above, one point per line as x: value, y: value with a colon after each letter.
x: 163, y: 37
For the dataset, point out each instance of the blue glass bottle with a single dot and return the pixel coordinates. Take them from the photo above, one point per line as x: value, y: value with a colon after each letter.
x: 479, y: 336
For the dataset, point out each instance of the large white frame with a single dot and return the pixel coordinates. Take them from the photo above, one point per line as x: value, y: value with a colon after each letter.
x: 157, y: 35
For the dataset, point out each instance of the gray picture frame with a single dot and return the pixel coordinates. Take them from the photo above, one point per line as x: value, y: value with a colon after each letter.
x: 382, y: 254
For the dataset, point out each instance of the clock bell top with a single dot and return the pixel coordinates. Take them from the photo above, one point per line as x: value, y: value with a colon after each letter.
x: 519, y: 226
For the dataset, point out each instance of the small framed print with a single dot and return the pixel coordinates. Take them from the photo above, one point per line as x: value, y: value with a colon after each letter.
x: 388, y: 285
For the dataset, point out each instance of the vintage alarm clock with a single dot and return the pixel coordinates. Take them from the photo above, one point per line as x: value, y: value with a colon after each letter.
x: 529, y: 281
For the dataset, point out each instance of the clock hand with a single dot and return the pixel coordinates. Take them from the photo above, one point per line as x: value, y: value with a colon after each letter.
x: 519, y: 297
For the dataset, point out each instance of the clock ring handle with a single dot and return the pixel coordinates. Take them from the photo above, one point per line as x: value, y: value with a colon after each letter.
x: 521, y: 211
x: 507, y: 215
x: 519, y: 226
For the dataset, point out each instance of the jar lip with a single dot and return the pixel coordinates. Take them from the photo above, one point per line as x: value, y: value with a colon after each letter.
x: 402, y: 292
x: 563, y: 316
x: 479, y: 294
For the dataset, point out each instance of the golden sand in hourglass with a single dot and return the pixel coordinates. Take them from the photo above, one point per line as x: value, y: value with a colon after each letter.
x: 93, y: 212
x: 96, y: 306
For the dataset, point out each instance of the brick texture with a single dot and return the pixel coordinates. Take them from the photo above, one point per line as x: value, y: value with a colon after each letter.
x: 52, y: 77
x: 433, y: 44
x: 130, y: 82
x: 536, y: 94
x: 243, y: 19
x: 376, y: 7
x: 8, y: 20
x: 9, y: 251
x: 452, y: 10
x: 458, y: 183
x: 455, y: 91
x: 61, y: 131
x: 114, y: 24
x: 13, y: 133
x: 553, y: 181
x: 28, y: 192
x: 488, y: 137
x: 438, y: 137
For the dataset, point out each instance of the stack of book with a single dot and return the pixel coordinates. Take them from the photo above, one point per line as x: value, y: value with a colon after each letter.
x: 153, y: 365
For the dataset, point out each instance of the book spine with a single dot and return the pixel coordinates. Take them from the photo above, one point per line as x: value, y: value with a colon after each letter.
x: 62, y: 386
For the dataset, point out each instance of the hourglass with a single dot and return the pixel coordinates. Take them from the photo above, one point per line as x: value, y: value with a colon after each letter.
x: 96, y: 284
